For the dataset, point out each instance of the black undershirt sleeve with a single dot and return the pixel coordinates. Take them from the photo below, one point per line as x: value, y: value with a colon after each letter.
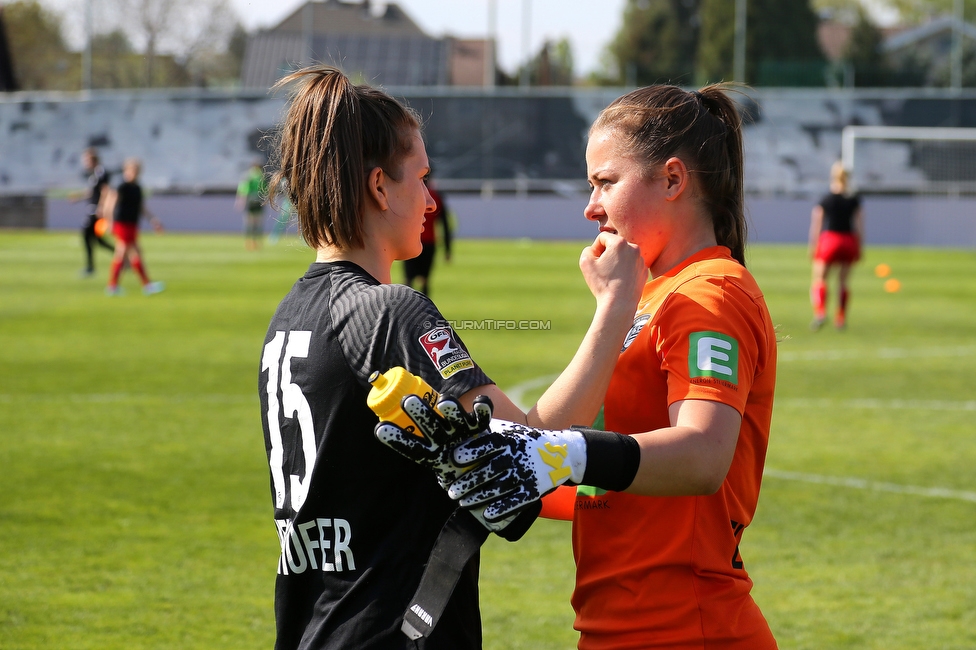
x: 612, y: 459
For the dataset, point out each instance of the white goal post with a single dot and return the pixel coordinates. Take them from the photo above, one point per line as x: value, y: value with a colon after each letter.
x: 908, y: 159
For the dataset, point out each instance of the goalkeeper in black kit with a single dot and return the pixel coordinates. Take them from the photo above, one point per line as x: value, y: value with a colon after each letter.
x: 354, y: 543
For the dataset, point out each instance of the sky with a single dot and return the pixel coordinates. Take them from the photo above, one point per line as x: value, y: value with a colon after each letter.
x: 589, y: 24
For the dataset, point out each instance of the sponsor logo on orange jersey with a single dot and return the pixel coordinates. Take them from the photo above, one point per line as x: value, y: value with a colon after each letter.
x: 713, y: 355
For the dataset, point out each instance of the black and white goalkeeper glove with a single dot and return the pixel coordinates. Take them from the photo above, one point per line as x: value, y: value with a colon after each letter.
x: 436, y: 444
x: 519, y: 464
x: 437, y: 435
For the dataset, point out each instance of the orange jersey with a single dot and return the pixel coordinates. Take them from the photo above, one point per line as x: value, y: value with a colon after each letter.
x: 666, y: 571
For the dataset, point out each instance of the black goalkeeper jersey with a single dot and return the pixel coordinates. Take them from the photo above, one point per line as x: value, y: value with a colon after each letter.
x: 356, y: 520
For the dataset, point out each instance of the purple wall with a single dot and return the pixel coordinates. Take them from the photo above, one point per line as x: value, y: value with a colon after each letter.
x: 923, y: 221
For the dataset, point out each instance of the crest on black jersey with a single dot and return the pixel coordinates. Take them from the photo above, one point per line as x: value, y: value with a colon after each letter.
x: 445, y: 352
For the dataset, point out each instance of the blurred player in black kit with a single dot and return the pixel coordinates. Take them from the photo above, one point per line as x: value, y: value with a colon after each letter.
x: 357, y: 521
x: 98, y: 182
x: 417, y: 270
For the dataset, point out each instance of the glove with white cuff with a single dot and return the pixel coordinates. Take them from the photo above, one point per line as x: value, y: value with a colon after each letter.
x: 438, y: 447
x: 520, y: 464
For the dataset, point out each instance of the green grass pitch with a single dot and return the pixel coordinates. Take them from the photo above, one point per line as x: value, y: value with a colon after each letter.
x: 136, y: 512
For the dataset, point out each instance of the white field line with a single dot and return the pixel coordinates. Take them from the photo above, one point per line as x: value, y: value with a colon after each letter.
x: 876, y: 486
x: 517, y: 393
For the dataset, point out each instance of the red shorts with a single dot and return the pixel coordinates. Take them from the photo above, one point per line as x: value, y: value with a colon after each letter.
x: 840, y: 247
x: 125, y: 232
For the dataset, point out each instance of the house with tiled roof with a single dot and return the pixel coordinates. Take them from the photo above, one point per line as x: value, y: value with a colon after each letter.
x: 930, y: 45
x: 386, y: 48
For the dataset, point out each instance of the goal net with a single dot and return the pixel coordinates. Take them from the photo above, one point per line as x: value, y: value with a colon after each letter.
x: 908, y: 159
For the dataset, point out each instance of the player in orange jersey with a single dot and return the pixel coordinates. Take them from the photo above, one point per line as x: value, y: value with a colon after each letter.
x: 660, y: 507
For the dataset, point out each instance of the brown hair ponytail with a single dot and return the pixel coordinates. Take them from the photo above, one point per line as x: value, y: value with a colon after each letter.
x: 333, y: 134
x: 704, y: 129
x: 722, y: 183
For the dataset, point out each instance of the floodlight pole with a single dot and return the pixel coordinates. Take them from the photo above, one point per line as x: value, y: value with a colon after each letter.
x: 86, y: 63
x: 526, y: 41
x: 739, y: 55
x: 490, y: 42
x: 956, y: 62
x: 487, y: 104
x: 308, y: 31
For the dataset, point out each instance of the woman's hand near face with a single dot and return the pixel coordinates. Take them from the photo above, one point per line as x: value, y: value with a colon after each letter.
x: 615, y: 273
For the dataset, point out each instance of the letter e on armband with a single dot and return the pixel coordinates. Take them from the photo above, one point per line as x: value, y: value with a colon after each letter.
x: 713, y: 355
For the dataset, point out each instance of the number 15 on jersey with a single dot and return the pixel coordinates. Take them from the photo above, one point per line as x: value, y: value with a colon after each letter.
x: 293, y: 405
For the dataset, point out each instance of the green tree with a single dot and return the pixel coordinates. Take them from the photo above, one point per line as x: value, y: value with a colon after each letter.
x: 942, y: 74
x: 717, y: 44
x: 781, y: 42
x: 193, y: 34
x: 112, y: 61
x: 552, y: 66
x: 864, y: 52
x: 656, y: 43
x: 214, y: 51
x: 41, y: 60
x: 916, y: 11
x: 236, y: 47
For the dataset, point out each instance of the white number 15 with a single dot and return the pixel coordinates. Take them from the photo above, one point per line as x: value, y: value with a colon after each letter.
x: 294, y: 405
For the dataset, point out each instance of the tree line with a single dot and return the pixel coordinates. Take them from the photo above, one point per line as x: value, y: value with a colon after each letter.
x: 172, y: 43
x: 135, y: 44
x: 692, y: 42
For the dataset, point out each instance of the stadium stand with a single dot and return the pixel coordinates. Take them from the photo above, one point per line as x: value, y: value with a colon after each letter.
x: 200, y: 141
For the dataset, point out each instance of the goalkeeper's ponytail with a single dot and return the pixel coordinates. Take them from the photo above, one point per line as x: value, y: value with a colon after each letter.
x: 333, y: 135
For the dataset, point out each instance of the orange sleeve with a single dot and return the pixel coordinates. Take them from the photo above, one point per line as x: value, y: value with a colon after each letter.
x: 560, y: 503
x: 708, y: 343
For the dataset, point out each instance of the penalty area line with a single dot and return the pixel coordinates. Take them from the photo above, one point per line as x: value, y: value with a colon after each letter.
x: 518, y: 392
x: 876, y: 486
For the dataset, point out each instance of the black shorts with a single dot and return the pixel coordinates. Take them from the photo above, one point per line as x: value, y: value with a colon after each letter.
x: 420, y: 265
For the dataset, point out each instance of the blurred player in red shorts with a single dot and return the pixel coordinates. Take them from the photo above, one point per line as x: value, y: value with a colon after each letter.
x: 836, y: 227
x: 126, y: 206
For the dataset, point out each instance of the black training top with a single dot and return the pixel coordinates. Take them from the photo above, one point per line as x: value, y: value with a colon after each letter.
x: 128, y: 205
x: 839, y: 212
x: 356, y: 520
x: 97, y: 181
